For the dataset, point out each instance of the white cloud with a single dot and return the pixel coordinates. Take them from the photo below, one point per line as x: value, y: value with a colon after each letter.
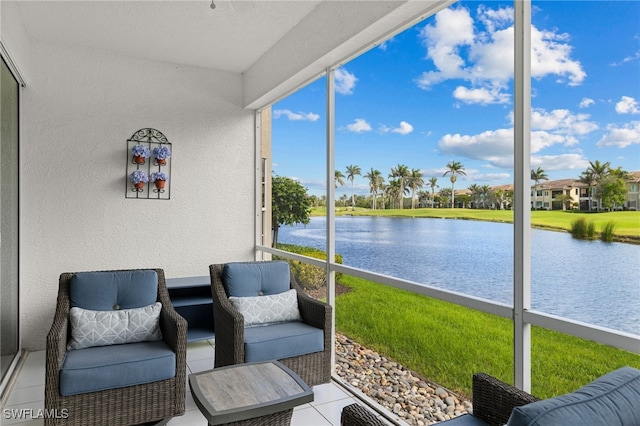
x: 483, y: 96
x: 385, y: 44
x: 488, y: 66
x: 345, y: 82
x: 295, y: 116
x: 562, y: 121
x: 495, y: 17
x: 551, y: 56
x: 586, y: 102
x: 403, y: 129
x: 552, y: 163
x: 452, y: 30
x: 496, y: 146
x: 627, y: 105
x: 359, y: 125
x: 474, y: 175
x: 621, y: 137
x: 634, y: 57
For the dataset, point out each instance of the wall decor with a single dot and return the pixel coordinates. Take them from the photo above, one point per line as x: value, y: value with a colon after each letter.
x: 148, y: 165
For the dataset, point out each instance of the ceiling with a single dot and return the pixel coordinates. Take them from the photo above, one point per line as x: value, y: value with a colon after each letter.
x: 277, y: 45
x: 231, y: 37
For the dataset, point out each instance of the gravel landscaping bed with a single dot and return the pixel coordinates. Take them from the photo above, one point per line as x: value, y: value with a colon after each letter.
x: 412, y: 398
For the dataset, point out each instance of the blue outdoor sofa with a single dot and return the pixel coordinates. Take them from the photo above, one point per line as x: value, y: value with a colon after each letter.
x: 610, y: 400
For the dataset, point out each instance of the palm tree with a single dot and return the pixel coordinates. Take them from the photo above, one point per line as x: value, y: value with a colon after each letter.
x: 599, y: 171
x: 352, y: 172
x: 401, y: 172
x: 422, y: 195
x: 339, y: 179
x: 375, y: 181
x: 586, y: 177
x: 499, y: 195
x: 444, y: 194
x: 455, y: 167
x: 415, y: 182
x: 485, y: 191
x: 536, y: 176
x: 475, y: 191
x: 394, y: 191
x: 433, y: 184
x: 619, y: 173
x: 383, y: 192
x: 508, y: 195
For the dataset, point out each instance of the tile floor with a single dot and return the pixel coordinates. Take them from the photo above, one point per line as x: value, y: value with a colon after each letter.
x: 28, y: 393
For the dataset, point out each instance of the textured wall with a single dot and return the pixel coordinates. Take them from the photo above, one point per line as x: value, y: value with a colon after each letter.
x: 79, y: 109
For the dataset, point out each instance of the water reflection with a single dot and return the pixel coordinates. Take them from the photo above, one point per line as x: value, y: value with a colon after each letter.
x: 589, y: 281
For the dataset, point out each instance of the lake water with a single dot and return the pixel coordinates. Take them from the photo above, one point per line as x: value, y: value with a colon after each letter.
x: 589, y: 281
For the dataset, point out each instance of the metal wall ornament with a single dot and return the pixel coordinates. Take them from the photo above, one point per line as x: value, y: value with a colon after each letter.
x: 148, y: 165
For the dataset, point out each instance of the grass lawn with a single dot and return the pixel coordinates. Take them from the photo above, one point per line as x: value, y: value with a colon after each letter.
x: 447, y: 343
x: 627, y: 222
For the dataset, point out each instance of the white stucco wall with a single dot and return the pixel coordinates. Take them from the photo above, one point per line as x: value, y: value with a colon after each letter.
x: 79, y: 109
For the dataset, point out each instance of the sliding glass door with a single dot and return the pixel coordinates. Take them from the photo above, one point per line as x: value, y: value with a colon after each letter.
x: 9, y: 338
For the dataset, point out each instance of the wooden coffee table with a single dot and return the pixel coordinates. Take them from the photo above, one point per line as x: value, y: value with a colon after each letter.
x: 249, y: 394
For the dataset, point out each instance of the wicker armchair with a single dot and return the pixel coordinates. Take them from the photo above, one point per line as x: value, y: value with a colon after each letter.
x: 314, y: 368
x: 493, y: 401
x: 130, y: 405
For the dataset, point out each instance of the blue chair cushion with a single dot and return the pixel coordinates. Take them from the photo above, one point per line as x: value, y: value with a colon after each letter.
x: 108, y: 367
x: 279, y: 341
x: 612, y: 400
x: 464, y: 420
x: 249, y: 279
x: 107, y: 291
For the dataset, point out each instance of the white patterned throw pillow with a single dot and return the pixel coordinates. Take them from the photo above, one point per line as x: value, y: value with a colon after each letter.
x: 282, y: 307
x: 104, y: 328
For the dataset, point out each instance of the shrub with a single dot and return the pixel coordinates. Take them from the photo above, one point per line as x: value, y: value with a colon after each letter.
x: 583, y: 229
x: 591, y: 231
x: 606, y: 233
x: 308, y: 276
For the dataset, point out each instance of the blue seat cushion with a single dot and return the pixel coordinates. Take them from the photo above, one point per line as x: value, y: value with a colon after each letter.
x: 107, y: 291
x: 249, y: 279
x: 464, y: 420
x: 279, y: 341
x: 612, y: 400
x: 108, y: 367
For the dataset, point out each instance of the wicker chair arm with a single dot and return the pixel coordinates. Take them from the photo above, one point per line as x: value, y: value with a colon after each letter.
x: 172, y: 324
x: 56, y: 347
x: 314, y: 312
x: 493, y: 400
x: 357, y: 415
x: 58, y: 335
x: 228, y: 324
x: 174, y: 328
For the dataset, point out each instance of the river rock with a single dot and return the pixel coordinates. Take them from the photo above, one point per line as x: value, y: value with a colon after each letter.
x: 397, y: 389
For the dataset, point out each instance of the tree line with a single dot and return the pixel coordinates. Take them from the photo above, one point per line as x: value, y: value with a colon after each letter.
x: 402, y: 182
x: 606, y: 187
x: 291, y: 204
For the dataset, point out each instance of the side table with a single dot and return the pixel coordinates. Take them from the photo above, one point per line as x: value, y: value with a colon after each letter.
x: 262, y: 393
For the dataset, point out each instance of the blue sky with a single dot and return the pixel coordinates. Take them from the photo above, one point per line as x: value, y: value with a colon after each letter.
x: 442, y: 91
